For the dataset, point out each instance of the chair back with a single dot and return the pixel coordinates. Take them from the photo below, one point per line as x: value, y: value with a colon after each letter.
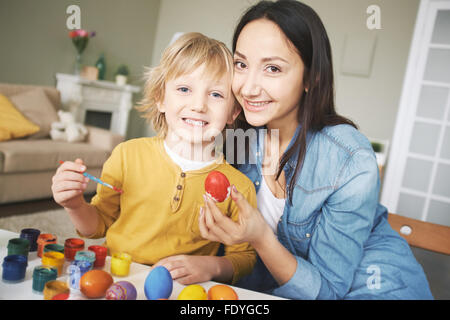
x: 422, y: 234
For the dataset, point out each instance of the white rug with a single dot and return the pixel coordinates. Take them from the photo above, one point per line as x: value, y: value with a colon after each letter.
x: 56, y: 222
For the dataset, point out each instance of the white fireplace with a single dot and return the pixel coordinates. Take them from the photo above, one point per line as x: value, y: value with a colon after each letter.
x: 99, y: 103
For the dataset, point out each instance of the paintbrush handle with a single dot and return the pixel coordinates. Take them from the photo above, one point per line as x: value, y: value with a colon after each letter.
x: 90, y: 176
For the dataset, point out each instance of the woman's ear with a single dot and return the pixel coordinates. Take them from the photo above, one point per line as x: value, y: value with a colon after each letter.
x: 236, y: 111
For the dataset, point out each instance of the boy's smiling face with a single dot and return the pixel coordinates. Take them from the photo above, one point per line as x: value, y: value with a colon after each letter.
x: 197, y: 108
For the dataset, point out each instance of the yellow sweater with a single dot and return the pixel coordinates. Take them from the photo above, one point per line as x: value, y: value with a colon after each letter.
x: 157, y: 214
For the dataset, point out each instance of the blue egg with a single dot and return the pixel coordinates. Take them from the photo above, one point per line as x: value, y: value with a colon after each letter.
x: 158, y: 284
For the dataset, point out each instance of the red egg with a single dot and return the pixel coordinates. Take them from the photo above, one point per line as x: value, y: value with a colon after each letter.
x: 222, y: 292
x: 217, y: 186
x: 94, y: 283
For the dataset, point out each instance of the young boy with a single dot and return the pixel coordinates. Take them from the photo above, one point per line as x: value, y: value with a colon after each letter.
x: 189, y: 101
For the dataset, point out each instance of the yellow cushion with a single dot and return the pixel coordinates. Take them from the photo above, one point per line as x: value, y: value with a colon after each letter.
x: 12, y: 123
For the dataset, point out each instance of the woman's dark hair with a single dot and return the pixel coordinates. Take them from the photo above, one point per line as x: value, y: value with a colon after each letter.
x: 304, y: 29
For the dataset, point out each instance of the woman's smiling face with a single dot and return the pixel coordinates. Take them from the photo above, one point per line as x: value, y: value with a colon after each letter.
x: 268, y: 78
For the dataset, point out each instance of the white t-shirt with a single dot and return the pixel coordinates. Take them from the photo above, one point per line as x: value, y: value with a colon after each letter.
x: 186, y: 164
x: 270, y: 206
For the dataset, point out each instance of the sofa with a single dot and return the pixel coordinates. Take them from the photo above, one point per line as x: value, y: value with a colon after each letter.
x: 27, y: 164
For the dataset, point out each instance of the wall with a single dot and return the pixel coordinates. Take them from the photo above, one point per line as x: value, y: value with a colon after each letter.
x: 370, y: 101
x: 35, y: 43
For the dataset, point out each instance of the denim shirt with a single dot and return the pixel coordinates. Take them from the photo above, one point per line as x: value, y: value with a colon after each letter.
x: 335, y: 226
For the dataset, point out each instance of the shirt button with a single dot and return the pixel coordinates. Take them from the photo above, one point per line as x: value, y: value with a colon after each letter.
x: 179, y: 187
x: 258, y: 154
x: 257, y: 183
x: 183, y: 174
x: 308, y: 235
x: 176, y: 198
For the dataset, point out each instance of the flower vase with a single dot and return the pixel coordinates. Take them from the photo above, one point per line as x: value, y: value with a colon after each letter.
x: 78, y: 65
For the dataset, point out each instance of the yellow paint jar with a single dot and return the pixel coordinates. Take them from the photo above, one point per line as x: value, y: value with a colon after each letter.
x: 120, y: 264
x: 55, y: 287
x: 54, y: 259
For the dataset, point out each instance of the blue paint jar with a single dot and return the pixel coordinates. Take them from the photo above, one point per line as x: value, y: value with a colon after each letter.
x: 85, y: 256
x: 14, y: 268
x: 31, y: 235
x: 76, y: 270
x: 42, y: 275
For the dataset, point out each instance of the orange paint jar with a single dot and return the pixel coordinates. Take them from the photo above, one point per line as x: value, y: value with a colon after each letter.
x: 43, y: 240
x: 55, y: 287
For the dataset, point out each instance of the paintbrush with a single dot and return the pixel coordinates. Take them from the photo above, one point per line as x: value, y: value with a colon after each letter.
x: 91, y: 177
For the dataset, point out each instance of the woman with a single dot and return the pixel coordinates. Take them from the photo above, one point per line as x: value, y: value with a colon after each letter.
x: 330, y: 238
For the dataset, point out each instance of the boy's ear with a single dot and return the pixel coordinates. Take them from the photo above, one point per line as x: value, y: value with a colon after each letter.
x: 236, y: 111
x: 161, y: 107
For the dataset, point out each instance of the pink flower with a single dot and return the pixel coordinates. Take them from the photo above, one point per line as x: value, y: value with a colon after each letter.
x: 82, y: 33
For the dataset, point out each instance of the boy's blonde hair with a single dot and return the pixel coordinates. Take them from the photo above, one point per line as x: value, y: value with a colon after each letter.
x: 186, y: 54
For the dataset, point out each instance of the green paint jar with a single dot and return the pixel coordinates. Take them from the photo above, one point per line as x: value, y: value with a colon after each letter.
x: 19, y: 246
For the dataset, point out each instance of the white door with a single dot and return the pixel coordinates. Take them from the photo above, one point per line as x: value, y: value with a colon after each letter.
x: 417, y: 181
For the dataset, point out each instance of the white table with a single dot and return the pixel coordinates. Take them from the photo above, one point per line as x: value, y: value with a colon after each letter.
x: 137, y: 276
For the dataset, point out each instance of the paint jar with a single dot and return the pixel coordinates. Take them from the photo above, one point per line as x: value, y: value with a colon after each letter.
x: 32, y: 236
x: 54, y: 287
x: 71, y: 246
x: 85, y: 256
x: 44, y: 239
x: 120, y: 264
x: 100, y: 255
x: 14, y: 268
x: 54, y: 247
x: 53, y: 259
x: 42, y: 275
x: 18, y: 246
x: 76, y: 270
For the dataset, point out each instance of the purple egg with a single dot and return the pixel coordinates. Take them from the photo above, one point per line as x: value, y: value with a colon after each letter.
x: 121, y: 290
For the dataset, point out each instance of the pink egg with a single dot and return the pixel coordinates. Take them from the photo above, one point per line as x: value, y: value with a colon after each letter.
x: 121, y: 290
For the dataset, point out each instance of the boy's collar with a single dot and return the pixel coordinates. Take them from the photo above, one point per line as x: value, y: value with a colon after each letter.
x: 219, y: 160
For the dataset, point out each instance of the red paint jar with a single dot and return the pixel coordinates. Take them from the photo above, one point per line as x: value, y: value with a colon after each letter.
x: 43, y: 240
x: 71, y: 246
x: 100, y: 255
